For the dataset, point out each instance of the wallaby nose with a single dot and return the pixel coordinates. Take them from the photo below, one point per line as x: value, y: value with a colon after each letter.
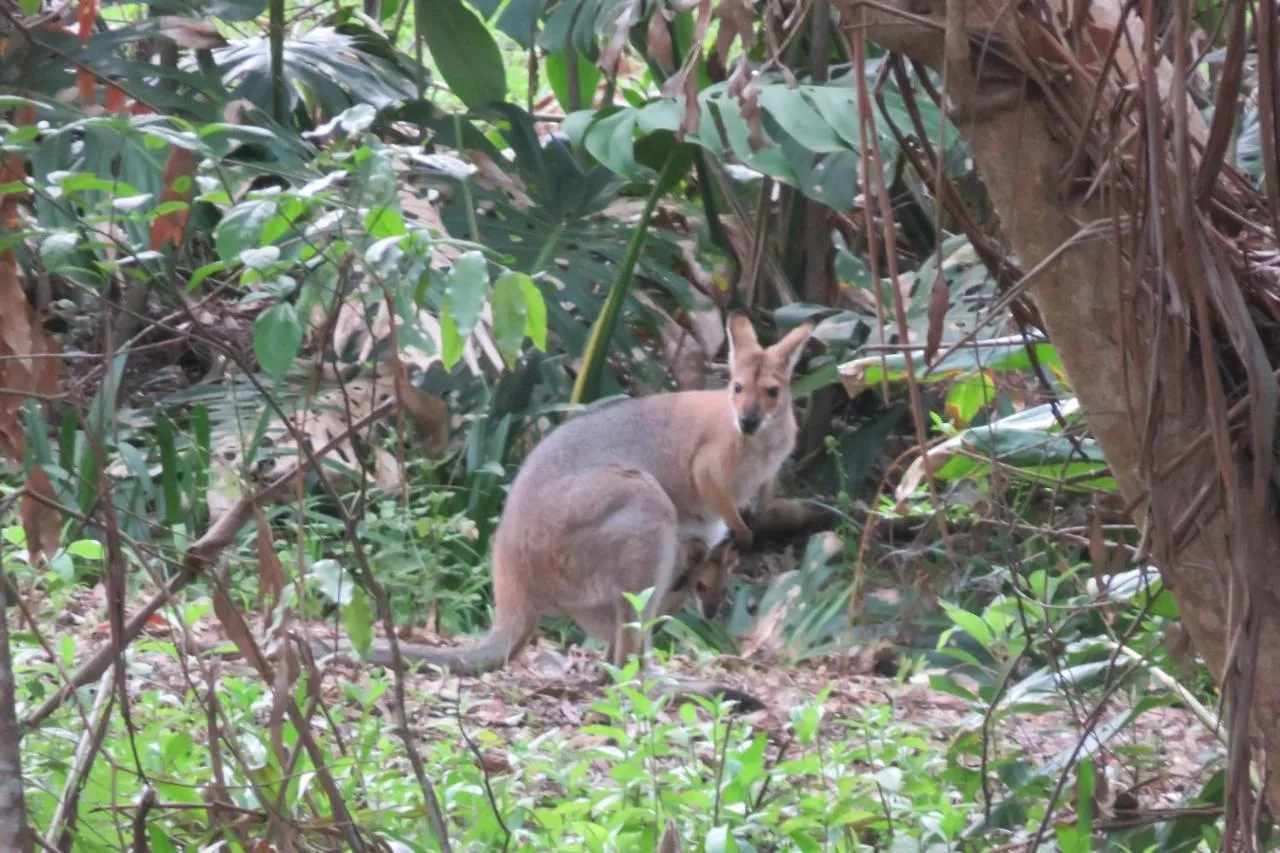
x: 710, y: 609
x: 749, y: 422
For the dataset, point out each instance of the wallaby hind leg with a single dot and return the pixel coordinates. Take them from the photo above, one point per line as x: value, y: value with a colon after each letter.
x: 631, y: 546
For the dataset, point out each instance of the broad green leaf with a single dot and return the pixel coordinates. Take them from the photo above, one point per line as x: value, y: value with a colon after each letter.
x: 466, y: 288
x: 798, y: 119
x: 535, y: 313
x: 334, y: 582
x: 277, y: 334
x: 720, y: 840
x: 464, y: 51
x: 198, y: 277
x: 241, y: 228
x: 384, y: 222
x: 169, y: 474
x: 261, y: 258
x: 997, y: 354
x: 357, y: 617
x: 87, y: 549
x: 971, y: 623
x: 451, y: 342
x: 58, y: 250
x: 510, y: 314
x: 520, y: 21
x: 557, y: 68
x: 968, y: 396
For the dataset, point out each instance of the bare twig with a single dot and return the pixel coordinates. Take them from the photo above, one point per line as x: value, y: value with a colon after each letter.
x: 64, y: 817
x: 199, y: 556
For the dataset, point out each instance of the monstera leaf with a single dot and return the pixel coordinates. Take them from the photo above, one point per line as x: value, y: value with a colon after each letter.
x: 567, y: 225
x: 805, y: 135
x: 328, y: 69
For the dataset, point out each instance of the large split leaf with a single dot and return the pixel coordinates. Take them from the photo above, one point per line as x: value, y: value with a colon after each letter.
x: 1028, y: 442
x: 570, y: 238
x: 465, y: 53
x: 327, y: 70
x: 811, y: 133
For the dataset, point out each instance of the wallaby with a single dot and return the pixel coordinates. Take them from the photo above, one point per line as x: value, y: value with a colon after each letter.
x: 623, y: 498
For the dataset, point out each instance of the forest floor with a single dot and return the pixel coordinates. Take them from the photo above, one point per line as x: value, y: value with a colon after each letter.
x: 1164, y: 756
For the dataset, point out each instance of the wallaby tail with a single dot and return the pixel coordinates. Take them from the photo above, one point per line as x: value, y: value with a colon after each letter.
x: 490, y: 652
x: 787, y: 518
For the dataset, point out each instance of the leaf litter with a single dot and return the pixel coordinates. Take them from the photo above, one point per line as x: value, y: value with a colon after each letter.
x: 1165, y: 753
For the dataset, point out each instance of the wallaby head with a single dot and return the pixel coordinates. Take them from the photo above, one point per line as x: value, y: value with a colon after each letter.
x: 704, y: 582
x: 760, y: 377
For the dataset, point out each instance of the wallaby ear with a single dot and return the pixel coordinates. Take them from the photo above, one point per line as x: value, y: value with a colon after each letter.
x: 792, y: 344
x: 742, y: 337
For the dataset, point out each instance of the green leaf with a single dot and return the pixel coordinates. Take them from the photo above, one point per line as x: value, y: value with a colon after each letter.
x: 277, y: 334
x: 520, y: 21
x: 384, y: 222
x: 510, y: 314
x: 59, y: 250
x: 334, y: 582
x: 241, y: 229
x: 968, y: 396
x: 719, y: 840
x: 358, y: 619
x: 971, y: 623
x: 169, y: 472
x: 87, y: 549
x: 535, y: 323
x: 464, y: 51
x: 465, y: 290
x: 557, y: 68
x: 451, y: 341
x: 610, y: 140
x: 204, y: 272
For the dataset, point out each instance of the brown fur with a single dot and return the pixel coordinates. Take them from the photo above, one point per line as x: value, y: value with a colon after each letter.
x: 620, y: 499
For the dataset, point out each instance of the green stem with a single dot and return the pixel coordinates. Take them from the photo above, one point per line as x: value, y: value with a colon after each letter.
x: 587, y: 387
x: 466, y: 181
x: 275, y: 35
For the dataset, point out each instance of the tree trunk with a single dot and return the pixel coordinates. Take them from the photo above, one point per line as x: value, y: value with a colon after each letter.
x: 15, y: 834
x: 1092, y: 303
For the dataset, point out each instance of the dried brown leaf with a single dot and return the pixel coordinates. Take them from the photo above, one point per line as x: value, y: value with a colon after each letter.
x: 237, y: 630
x: 285, y: 675
x: 40, y: 521
x: 388, y: 475
x: 495, y: 762
x: 737, y: 20
x: 11, y: 172
x: 170, y: 227
x: 684, y: 83
x: 1098, y: 553
x: 612, y: 54
x: 191, y: 33
x: 939, y: 302
x: 428, y: 411
x: 15, y: 316
x: 29, y: 367
x: 753, y: 115
x: 670, y: 841
x: 271, y: 577
x: 658, y: 40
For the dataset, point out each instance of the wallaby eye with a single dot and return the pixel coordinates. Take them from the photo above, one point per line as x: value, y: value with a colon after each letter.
x: 771, y: 393
x: 737, y: 387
